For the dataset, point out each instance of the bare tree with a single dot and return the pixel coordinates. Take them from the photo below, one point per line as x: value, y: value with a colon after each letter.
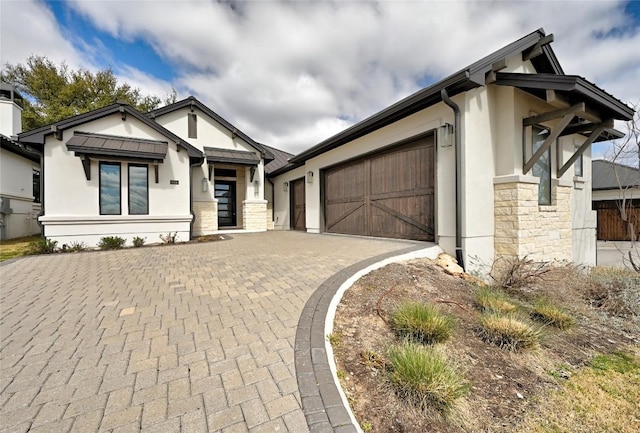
x: 626, y: 152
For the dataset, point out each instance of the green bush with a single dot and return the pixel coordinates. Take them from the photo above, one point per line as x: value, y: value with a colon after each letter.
x: 111, y: 243
x: 546, y: 312
x: 421, y: 323
x: 138, y: 241
x: 42, y: 246
x: 508, y: 332
x: 424, y: 377
x: 493, y: 300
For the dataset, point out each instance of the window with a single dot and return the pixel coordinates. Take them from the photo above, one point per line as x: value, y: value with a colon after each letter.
x: 577, y: 166
x: 36, y: 186
x: 542, y: 167
x: 225, y: 172
x: 109, y: 188
x: 193, y: 125
x: 138, y: 189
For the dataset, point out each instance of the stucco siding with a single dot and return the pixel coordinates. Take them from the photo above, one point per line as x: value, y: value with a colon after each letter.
x: 70, y: 198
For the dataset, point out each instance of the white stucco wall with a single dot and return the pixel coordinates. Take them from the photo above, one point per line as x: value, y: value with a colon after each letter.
x: 72, y: 202
x: 211, y: 134
x: 10, y: 118
x: 16, y: 185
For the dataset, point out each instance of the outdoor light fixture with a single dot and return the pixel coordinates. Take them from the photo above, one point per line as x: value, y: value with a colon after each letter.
x: 309, y: 176
x: 445, y: 136
x: 285, y: 186
x: 205, y: 184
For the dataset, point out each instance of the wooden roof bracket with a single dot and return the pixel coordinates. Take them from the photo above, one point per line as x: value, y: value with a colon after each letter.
x: 86, y: 165
x: 536, y: 50
x: 567, y: 115
x: 156, y: 169
x: 490, y: 77
x: 210, y: 166
x: 123, y: 113
x: 597, y: 130
x: 57, y: 132
x: 253, y: 172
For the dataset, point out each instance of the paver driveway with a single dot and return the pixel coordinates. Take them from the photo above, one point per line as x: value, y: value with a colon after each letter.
x: 189, y: 338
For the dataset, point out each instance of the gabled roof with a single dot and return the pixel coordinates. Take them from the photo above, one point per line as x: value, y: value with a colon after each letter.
x: 575, y: 88
x: 191, y: 101
x: 19, y: 149
x: 611, y: 175
x: 113, y: 145
x: 280, y: 159
x: 37, y: 136
x: 466, y: 79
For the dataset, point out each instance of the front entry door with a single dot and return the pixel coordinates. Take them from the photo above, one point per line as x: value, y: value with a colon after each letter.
x: 225, y: 192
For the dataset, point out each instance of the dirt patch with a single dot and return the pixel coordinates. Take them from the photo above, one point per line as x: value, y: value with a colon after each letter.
x: 503, y: 385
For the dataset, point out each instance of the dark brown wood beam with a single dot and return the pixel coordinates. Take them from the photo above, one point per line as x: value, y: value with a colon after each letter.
x: 553, y: 136
x: 594, y: 135
x: 536, y: 50
x: 579, y: 129
x: 545, y: 117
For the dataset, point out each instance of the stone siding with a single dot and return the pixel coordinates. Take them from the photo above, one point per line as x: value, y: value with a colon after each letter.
x: 524, y: 228
x: 254, y: 215
x: 206, y: 217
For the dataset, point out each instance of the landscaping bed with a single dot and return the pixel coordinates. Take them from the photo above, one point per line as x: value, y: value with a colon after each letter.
x: 504, y: 385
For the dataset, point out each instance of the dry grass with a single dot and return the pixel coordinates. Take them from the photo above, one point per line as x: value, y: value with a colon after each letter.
x: 604, y: 397
x: 421, y: 322
x: 424, y: 377
x: 549, y: 313
x: 16, y: 247
x: 508, y: 332
x: 493, y: 300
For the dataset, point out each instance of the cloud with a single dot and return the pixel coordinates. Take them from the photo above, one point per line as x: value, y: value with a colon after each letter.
x: 291, y: 74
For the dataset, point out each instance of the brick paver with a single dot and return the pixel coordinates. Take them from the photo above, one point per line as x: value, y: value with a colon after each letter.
x: 190, y: 338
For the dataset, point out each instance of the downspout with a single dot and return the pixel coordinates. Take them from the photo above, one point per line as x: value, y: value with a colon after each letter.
x: 273, y: 200
x: 458, y: 156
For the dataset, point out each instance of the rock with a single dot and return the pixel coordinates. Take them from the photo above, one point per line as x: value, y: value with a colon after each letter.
x: 449, y: 264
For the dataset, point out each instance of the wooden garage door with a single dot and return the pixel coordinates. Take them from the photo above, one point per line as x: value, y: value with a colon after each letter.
x: 390, y: 194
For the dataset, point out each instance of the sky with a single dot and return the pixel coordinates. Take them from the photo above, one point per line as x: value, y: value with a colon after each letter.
x: 293, y: 73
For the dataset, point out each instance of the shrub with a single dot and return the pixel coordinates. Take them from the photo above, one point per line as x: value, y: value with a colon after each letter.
x: 42, y: 246
x: 138, y: 241
x: 492, y: 300
x: 77, y: 246
x: 515, y: 272
x: 508, y: 332
x: 424, y: 377
x: 614, y: 290
x: 548, y: 313
x: 421, y: 323
x: 169, y: 238
x: 111, y: 243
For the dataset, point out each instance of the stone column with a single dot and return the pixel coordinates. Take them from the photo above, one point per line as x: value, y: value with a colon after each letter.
x: 206, y: 217
x: 254, y: 215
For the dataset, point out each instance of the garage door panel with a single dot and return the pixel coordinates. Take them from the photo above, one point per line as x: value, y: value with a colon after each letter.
x: 350, y: 219
x: 386, y: 195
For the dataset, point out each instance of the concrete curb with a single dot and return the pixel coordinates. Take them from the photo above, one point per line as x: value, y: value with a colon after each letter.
x: 323, y: 401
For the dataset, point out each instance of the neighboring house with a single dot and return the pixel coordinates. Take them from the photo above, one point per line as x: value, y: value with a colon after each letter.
x: 179, y: 169
x: 496, y: 179
x: 616, y: 192
x: 19, y: 172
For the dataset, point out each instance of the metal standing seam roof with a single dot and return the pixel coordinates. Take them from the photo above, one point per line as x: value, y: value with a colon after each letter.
x: 280, y: 159
x: 611, y: 175
x: 214, y: 154
x: 37, y: 136
x: 112, y: 145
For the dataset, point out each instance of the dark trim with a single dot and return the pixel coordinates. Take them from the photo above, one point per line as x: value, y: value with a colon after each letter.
x: 567, y: 83
x: 129, y: 165
x: 100, y: 164
x: 471, y: 77
x: 192, y: 102
x: 37, y: 136
x: 215, y: 160
x: 19, y: 149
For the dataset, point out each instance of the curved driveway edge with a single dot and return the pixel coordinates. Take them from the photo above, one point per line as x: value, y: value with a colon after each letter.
x: 322, y: 402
